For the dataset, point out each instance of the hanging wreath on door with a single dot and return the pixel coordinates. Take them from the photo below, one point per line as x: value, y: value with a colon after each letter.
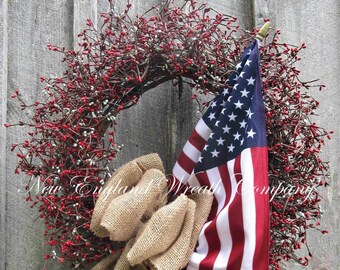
x: 71, y: 142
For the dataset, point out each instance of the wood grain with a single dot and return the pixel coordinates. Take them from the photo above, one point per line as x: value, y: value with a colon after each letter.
x: 165, y: 116
x: 3, y: 130
x: 31, y: 26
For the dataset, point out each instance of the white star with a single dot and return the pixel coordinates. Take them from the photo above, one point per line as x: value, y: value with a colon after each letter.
x: 235, y: 86
x: 216, y: 124
x: 211, y: 135
x: 242, y: 141
x: 223, y: 103
x: 249, y: 52
x: 251, y: 133
x: 249, y: 113
x: 211, y: 116
x: 226, y: 129
x: 214, y: 153
x: 238, y: 104
x: 200, y: 159
x: 213, y: 104
x: 243, y: 124
x: 231, y: 148
x: 225, y: 91
x: 251, y: 81
x: 236, y: 78
x: 205, y: 148
x: 244, y: 93
x: 237, y: 136
x: 248, y: 63
x: 229, y: 98
x: 232, y: 116
x: 241, y: 74
x: 223, y: 110
x: 238, y: 66
x: 220, y: 141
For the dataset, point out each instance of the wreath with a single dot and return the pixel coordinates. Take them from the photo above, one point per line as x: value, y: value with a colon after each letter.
x: 71, y: 139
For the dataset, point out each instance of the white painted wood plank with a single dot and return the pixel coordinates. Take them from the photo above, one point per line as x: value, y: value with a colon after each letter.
x: 260, y: 11
x: 3, y: 131
x: 242, y: 10
x: 83, y: 10
x: 31, y: 26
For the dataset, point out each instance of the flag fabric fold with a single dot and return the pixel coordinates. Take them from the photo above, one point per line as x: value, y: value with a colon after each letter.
x: 227, y: 153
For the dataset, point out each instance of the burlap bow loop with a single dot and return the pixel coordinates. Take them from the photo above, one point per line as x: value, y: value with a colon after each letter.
x: 159, y: 235
x: 125, y: 177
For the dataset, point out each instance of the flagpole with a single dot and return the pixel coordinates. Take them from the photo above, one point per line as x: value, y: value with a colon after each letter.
x: 263, y: 32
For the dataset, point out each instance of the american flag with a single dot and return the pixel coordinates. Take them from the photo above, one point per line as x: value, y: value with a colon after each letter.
x: 227, y: 152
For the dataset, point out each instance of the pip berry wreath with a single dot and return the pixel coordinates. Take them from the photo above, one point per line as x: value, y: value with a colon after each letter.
x: 71, y: 142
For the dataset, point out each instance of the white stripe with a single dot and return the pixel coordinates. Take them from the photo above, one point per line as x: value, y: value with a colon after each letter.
x: 191, y: 151
x: 222, y: 224
x: 214, y: 179
x: 203, y: 130
x: 193, y: 181
x: 180, y: 174
x: 189, y: 267
x: 248, y: 210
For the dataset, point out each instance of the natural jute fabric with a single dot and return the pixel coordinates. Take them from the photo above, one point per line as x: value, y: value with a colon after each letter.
x: 160, y: 232
x: 177, y: 256
x: 127, y: 176
x: 123, y: 215
x: 159, y: 236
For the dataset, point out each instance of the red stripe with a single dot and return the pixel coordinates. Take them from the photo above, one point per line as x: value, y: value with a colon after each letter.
x: 236, y: 223
x: 186, y: 163
x: 214, y: 246
x: 197, y: 141
x: 261, y: 256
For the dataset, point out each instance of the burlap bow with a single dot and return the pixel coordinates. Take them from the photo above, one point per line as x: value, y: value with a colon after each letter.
x: 133, y: 207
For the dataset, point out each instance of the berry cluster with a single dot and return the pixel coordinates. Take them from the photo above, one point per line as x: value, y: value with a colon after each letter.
x: 71, y: 141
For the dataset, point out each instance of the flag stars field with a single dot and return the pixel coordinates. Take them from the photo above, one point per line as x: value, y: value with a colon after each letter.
x: 238, y: 105
x: 211, y: 116
x: 251, y: 133
x: 226, y: 129
x: 220, y: 141
x: 237, y: 136
x: 231, y: 148
x: 232, y: 117
x: 244, y: 93
x: 251, y: 81
x: 243, y: 124
x: 215, y: 153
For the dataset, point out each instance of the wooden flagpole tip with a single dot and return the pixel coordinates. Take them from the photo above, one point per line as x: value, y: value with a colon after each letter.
x: 263, y: 31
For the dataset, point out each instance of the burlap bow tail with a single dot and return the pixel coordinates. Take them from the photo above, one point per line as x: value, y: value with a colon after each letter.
x: 133, y: 207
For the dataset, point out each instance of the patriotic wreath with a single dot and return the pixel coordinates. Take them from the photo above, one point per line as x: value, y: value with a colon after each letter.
x: 72, y: 136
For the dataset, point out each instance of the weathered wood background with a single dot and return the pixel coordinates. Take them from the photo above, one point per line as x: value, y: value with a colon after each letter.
x: 163, y: 119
